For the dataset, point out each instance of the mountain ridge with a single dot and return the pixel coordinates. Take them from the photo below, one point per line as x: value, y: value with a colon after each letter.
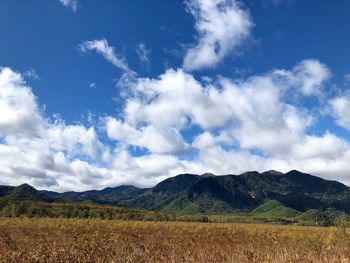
x: 209, y: 194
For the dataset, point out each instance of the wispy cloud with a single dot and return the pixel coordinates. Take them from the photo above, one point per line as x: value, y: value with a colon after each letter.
x: 92, y: 85
x: 347, y: 78
x: 73, y: 4
x: 276, y: 3
x: 222, y: 26
x: 143, y: 54
x: 31, y: 74
x: 102, y: 47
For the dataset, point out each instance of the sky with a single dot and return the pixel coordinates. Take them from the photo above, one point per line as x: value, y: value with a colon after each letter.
x: 100, y: 93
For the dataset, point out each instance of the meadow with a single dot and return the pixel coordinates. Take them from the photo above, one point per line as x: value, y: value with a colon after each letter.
x: 96, y: 240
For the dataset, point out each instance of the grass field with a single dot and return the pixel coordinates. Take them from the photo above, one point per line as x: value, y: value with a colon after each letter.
x: 93, y: 240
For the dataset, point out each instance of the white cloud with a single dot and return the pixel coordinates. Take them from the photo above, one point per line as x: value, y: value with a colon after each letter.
x: 207, y: 140
x: 73, y: 4
x: 165, y: 141
x: 176, y: 123
x: 327, y: 156
x: 241, y: 125
x: 102, y: 47
x: 275, y: 120
x: 19, y: 112
x: 176, y: 100
x: 222, y: 26
x: 309, y: 76
x: 340, y: 107
x: 31, y: 143
x: 347, y: 78
x: 254, y: 114
x: 327, y: 146
x: 92, y: 85
x: 31, y: 74
x: 143, y: 54
x: 75, y: 140
x: 276, y: 2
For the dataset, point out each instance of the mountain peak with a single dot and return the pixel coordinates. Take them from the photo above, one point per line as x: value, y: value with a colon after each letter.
x: 207, y: 175
x: 177, y: 183
x: 295, y: 172
x: 25, y: 186
x: 273, y: 172
x: 27, y: 192
x: 250, y: 173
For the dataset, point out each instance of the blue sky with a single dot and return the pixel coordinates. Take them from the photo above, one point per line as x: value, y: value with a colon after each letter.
x: 101, y: 93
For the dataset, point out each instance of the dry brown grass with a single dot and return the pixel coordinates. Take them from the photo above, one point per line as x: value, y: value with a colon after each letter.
x: 92, y: 240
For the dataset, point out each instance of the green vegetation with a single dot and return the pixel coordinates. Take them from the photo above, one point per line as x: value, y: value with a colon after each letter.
x: 15, y: 208
x: 295, y: 192
x: 26, y: 192
x: 272, y: 212
x: 274, y: 208
x: 184, y: 206
x: 270, y: 197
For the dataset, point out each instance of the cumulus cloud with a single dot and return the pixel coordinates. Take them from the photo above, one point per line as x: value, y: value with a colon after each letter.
x: 340, y: 107
x: 236, y: 125
x: 237, y: 119
x: 309, y: 76
x: 327, y: 146
x: 167, y: 141
x: 177, y: 101
x: 177, y: 123
x: 19, y: 112
x: 73, y: 4
x: 34, y: 148
x: 222, y: 26
x: 102, y: 47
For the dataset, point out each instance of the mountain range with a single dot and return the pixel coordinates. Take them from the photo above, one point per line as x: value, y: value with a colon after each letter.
x: 251, y: 192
